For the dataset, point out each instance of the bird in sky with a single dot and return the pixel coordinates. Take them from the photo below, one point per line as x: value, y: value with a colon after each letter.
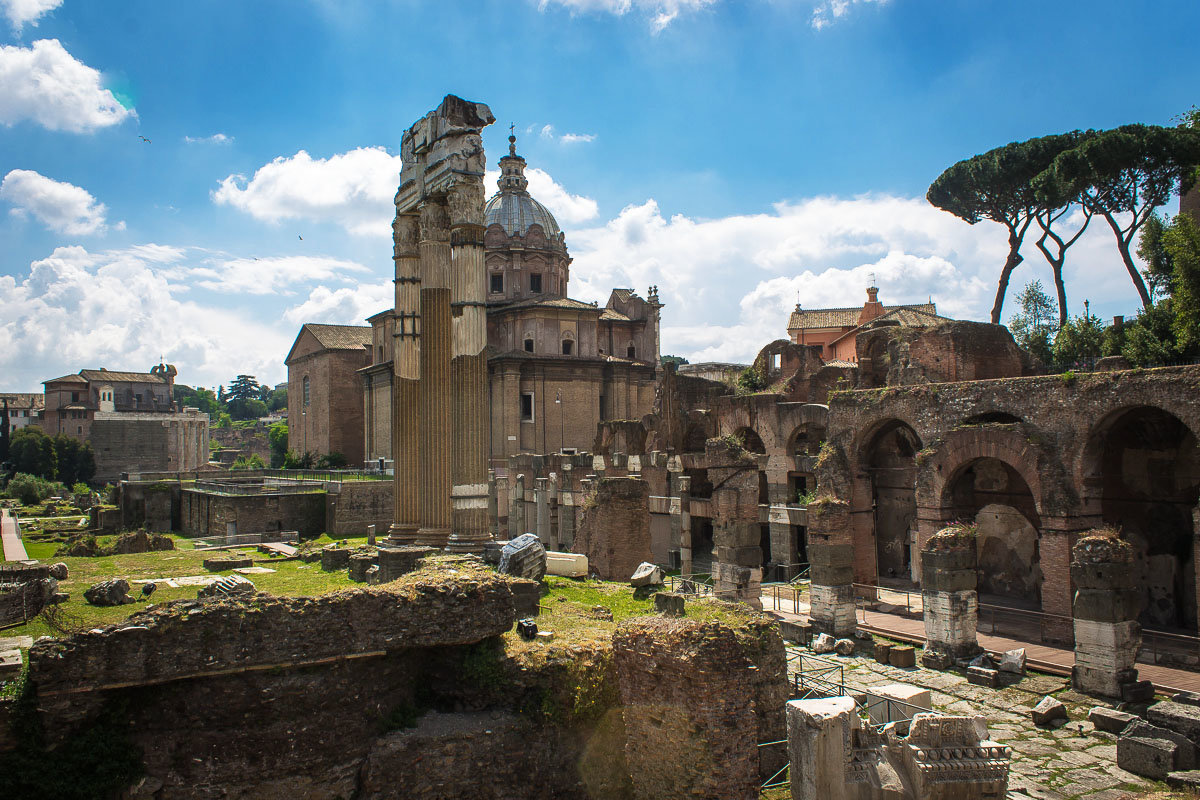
x: 144, y: 139
x: 301, y: 238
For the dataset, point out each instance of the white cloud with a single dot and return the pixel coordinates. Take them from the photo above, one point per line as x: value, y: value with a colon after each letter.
x: 829, y: 11
x: 45, y: 84
x: 548, y: 133
x: 216, y: 138
x: 117, y: 309
x: 567, y: 208
x: 729, y: 284
x: 349, y: 305
x: 27, y: 12
x: 353, y: 189
x: 266, y: 275
x: 660, y: 13
x: 61, y: 207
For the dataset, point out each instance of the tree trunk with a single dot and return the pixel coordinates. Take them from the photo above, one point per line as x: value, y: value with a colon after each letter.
x: 1123, y: 249
x: 1014, y: 258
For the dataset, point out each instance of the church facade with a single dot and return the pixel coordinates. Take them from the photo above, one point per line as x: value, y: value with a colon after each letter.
x: 556, y: 366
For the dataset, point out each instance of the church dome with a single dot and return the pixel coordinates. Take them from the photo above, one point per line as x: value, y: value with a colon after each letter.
x: 512, y: 208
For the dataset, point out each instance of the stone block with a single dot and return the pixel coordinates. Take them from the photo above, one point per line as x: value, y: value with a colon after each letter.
x: 1177, y: 717
x: 59, y: 571
x: 982, y: 676
x: 334, y: 558
x: 566, y: 565
x: 958, y: 559
x: 10, y: 663
x: 1103, y: 575
x: 1049, y: 711
x: 669, y: 603
x: 1109, y: 719
x: 1013, y: 661
x: 527, y: 629
x: 896, y: 702
x: 936, y: 659
x: 647, y: 574
x: 397, y: 561
x: 831, y: 555
x: 1185, y: 755
x: 222, y: 563
x: 819, y: 734
x: 228, y: 586
x: 359, y: 564
x: 883, y: 652
x: 823, y: 643
x: 108, y: 593
x: 798, y: 632
x: 902, y: 657
x: 1187, y: 698
x: 1137, y: 692
x: 948, y: 581
x: 524, y: 557
x: 831, y: 576
x: 527, y: 597
x: 844, y: 647
x: 1107, y: 605
x: 1150, y: 758
x: 1188, y: 780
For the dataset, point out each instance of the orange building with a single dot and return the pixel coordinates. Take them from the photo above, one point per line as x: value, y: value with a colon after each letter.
x: 836, y: 329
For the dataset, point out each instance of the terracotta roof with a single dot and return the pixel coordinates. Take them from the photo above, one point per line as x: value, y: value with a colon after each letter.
x: 838, y: 362
x: 907, y: 316
x: 842, y: 317
x: 18, y: 400
x: 609, y: 314
x: 101, y: 375
x: 340, y: 337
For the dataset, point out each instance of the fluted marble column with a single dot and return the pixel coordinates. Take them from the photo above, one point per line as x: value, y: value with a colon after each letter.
x: 435, y: 393
x: 406, y: 374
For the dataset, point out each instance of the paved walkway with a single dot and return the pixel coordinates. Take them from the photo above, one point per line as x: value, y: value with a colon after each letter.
x: 10, y: 538
x: 1042, y: 657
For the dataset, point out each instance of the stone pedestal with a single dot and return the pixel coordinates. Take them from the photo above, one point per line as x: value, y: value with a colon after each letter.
x: 951, y: 603
x: 737, y: 554
x: 819, y: 740
x: 1107, y: 635
x: 832, y: 591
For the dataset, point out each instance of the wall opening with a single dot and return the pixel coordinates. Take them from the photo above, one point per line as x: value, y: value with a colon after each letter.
x: 891, y: 465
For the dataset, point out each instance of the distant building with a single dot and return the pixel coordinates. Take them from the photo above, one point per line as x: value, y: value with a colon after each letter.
x: 23, y: 409
x: 835, y: 330
x: 325, y: 390
x: 129, y: 418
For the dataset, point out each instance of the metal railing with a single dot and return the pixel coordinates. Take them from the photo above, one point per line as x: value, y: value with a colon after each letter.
x: 780, y: 592
x: 782, y: 776
x: 820, y: 678
x: 1026, y: 624
x: 866, y: 594
x: 227, y: 487
x: 699, y: 584
x: 1177, y: 650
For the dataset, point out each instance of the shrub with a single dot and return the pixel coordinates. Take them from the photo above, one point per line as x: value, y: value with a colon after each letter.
x: 31, y: 490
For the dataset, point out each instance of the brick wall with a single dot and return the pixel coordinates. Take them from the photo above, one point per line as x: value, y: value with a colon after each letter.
x: 615, y: 530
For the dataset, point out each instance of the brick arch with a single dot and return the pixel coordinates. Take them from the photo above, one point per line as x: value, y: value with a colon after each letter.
x: 960, y: 448
x: 1085, y: 470
x: 861, y: 445
x: 811, y: 417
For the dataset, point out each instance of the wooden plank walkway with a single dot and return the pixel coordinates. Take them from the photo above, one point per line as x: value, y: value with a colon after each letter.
x: 10, y: 538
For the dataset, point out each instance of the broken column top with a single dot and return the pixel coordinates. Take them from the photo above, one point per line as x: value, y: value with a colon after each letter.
x: 441, y: 148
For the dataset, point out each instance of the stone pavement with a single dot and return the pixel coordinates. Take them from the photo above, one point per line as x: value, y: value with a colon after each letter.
x: 1074, y: 761
x: 10, y: 538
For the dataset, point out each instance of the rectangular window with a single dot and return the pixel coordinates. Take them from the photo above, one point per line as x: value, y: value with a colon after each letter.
x: 74, y: 397
x: 527, y: 407
x: 535, y: 283
x: 497, y: 282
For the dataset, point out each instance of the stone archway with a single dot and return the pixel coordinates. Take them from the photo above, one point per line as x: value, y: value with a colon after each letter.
x: 751, y: 441
x: 890, y: 460
x: 1140, y: 473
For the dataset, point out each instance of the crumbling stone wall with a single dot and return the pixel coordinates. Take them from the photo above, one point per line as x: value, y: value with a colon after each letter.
x: 697, y: 698
x: 952, y: 351
x: 208, y: 514
x: 738, y: 557
x: 615, y: 530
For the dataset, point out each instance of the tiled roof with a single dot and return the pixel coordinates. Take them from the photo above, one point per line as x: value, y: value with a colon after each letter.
x: 67, y: 379
x: 101, y: 375
x: 838, y: 362
x: 913, y: 316
x: 609, y: 315
x: 340, y: 337
x: 549, y: 302
x: 18, y: 400
x: 842, y: 317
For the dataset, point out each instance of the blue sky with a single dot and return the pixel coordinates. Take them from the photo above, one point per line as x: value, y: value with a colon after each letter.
x: 735, y: 153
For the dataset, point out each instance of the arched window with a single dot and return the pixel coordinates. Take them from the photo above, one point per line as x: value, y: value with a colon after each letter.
x: 631, y: 352
x: 306, y: 392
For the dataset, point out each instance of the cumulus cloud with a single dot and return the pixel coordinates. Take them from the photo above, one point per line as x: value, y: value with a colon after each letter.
x: 27, y: 12
x: 353, y: 189
x: 349, y: 305
x: 216, y: 138
x: 659, y: 13
x: 567, y: 208
x: 119, y: 310
x: 61, y: 207
x: 45, y: 84
x: 730, y: 283
x: 826, y: 12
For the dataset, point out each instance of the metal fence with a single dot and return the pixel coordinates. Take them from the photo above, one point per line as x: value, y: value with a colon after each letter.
x: 699, y: 584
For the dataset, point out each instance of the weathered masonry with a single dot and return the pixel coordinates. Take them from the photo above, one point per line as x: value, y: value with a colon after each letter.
x: 1033, y: 462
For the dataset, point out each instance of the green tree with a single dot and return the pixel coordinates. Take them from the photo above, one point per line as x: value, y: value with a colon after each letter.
x: 1080, y: 340
x: 31, y: 451
x: 1124, y: 174
x: 999, y: 185
x: 277, y: 399
x: 676, y: 360
x: 247, y: 408
x: 1143, y: 349
x: 4, y: 430
x: 1153, y: 253
x: 31, y: 490
x: 334, y: 460
x: 1181, y: 242
x: 244, y: 387
x: 252, y: 461
x: 277, y: 435
x: 294, y: 460
x: 751, y: 380
x: 200, y: 398
x: 75, y: 461
x: 1033, y: 326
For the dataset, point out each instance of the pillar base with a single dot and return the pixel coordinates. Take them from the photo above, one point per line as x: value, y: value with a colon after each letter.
x: 402, y: 534
x: 467, y: 543
x: 433, y: 537
x: 832, y: 609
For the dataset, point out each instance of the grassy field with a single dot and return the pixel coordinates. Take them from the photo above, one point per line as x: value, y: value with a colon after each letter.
x: 292, y: 578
